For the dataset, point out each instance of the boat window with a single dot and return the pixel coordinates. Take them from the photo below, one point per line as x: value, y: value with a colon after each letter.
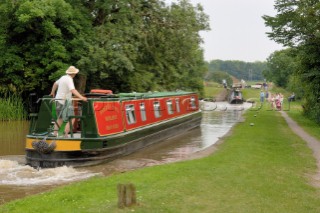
x: 157, y: 110
x: 193, y: 102
x: 143, y: 112
x: 178, y: 105
x: 169, y: 107
x: 131, y: 117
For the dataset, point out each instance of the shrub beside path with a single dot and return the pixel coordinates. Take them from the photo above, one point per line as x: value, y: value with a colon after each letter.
x: 312, y: 142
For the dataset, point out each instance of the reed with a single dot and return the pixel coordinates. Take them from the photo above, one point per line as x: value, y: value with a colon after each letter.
x: 12, y: 108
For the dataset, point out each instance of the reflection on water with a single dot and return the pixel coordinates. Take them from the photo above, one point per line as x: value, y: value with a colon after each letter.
x: 18, y: 180
x: 217, y: 123
x: 12, y: 137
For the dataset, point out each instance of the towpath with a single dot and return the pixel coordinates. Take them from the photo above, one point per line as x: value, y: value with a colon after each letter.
x: 312, y: 142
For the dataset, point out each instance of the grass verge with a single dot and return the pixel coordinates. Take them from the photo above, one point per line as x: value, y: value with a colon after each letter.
x: 259, y: 168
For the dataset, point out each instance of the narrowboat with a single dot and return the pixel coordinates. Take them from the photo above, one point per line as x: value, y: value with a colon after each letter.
x: 107, y: 126
x: 235, y: 97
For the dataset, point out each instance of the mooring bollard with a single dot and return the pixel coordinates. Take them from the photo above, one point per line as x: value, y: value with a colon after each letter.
x: 126, y: 195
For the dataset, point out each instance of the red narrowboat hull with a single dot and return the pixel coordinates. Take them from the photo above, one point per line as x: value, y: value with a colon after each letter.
x: 113, y: 127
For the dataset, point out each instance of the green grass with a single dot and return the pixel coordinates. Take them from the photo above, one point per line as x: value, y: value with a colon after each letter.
x: 254, y: 82
x: 284, y: 92
x: 251, y: 94
x: 260, y: 168
x: 212, y: 90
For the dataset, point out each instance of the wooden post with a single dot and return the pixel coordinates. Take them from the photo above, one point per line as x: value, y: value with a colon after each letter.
x: 126, y: 195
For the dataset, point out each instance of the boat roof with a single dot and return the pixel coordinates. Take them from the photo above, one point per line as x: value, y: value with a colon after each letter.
x: 153, y: 94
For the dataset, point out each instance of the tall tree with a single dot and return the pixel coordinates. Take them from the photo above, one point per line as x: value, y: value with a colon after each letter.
x: 281, y: 65
x: 297, y: 25
x: 39, y: 40
x: 147, y: 45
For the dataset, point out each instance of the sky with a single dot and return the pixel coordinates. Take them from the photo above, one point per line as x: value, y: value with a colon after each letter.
x: 237, y: 30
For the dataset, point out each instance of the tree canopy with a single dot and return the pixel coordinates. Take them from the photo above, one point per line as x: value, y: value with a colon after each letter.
x: 280, y: 66
x: 219, y: 77
x: 39, y: 39
x: 134, y: 45
x: 239, y: 69
x: 297, y: 25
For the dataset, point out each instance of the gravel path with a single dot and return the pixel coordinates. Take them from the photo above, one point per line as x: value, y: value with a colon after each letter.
x: 312, y: 142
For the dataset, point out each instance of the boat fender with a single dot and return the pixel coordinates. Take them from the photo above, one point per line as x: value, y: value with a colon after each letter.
x: 43, y: 147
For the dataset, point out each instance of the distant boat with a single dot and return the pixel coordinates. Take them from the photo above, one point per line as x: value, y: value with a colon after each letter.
x: 108, y: 126
x: 235, y: 97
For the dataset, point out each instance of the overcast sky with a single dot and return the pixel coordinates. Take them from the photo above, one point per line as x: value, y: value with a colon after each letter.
x: 237, y: 29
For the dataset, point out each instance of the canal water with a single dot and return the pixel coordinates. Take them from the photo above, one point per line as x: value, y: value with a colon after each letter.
x: 18, y: 180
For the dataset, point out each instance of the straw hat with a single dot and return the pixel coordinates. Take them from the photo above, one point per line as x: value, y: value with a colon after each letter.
x: 72, y: 70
